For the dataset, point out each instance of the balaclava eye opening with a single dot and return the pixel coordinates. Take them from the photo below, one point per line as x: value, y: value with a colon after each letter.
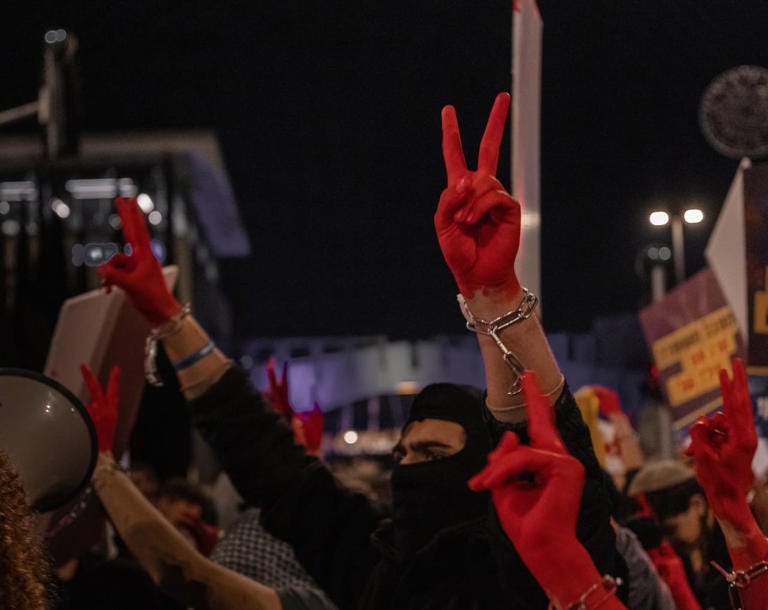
x: 431, y: 496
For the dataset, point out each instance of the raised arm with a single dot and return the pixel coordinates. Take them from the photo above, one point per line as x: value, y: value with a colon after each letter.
x: 139, y: 274
x: 535, y: 490
x: 722, y: 447
x: 328, y: 526
x: 478, y: 227
x: 254, y: 445
x: 179, y: 569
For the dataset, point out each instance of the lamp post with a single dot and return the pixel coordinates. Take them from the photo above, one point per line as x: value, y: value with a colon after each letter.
x: 676, y: 221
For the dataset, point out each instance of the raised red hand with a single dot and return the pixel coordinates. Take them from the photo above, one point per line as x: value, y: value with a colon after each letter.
x: 307, y: 429
x: 671, y: 570
x: 140, y: 274
x: 723, y: 446
x: 477, y: 220
x: 277, y: 391
x: 535, y: 489
x: 103, y: 406
x: 307, y: 426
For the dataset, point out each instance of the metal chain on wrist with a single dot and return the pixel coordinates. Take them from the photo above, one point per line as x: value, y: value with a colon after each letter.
x: 740, y: 579
x: 150, y: 345
x: 492, y: 328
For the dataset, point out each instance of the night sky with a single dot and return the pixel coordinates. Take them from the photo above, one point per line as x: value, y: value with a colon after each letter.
x: 328, y: 114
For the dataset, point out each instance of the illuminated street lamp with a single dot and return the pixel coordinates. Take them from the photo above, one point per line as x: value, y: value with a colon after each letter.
x: 660, y: 218
x: 693, y: 216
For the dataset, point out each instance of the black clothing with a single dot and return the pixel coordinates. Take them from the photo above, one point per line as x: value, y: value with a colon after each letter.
x: 709, y: 586
x: 469, y: 566
x: 430, y: 496
x: 117, y: 584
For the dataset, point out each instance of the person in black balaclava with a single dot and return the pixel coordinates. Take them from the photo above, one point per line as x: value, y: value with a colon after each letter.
x: 443, y: 550
x: 444, y: 443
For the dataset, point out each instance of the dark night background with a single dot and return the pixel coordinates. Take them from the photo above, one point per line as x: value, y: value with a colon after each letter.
x: 328, y: 117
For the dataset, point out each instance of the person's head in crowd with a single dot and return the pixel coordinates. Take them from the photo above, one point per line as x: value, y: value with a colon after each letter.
x: 677, y: 501
x: 23, y: 569
x: 145, y: 479
x: 442, y: 445
x: 186, y: 506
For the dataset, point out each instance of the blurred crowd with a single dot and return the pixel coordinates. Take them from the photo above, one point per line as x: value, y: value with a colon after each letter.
x: 522, y: 494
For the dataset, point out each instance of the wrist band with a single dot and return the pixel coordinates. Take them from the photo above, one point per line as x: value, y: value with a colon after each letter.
x: 72, y: 515
x: 172, y: 326
x: 607, y: 584
x: 150, y: 346
x: 492, y: 328
x: 740, y: 579
x: 185, y: 363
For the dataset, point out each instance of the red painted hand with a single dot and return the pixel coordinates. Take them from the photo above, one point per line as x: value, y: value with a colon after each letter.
x: 672, y: 572
x: 307, y: 429
x: 307, y: 426
x: 536, y: 492
x: 277, y: 392
x: 139, y: 274
x: 477, y: 220
x: 723, y: 446
x: 103, y: 407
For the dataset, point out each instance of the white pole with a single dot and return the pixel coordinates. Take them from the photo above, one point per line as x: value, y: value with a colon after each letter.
x: 658, y: 282
x: 678, y: 248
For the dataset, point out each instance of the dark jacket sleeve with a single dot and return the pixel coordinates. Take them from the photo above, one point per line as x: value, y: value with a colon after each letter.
x: 328, y: 526
x: 593, y: 527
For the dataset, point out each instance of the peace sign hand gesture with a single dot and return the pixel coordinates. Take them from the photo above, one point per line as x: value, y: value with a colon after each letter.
x: 277, y: 392
x: 723, y: 446
x: 102, y: 406
x: 477, y: 220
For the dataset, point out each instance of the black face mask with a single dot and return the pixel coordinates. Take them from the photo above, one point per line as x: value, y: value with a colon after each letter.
x: 432, y: 496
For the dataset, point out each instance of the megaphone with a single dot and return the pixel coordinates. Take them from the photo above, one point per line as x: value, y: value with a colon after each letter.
x: 48, y: 436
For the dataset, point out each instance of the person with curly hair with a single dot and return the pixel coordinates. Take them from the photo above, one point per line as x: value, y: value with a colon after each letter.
x: 23, y: 569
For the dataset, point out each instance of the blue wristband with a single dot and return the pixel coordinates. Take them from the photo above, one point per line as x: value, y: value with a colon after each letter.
x: 185, y: 363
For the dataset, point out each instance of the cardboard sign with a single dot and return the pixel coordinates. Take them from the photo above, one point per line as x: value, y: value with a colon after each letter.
x: 102, y: 330
x: 692, y: 333
x: 756, y: 230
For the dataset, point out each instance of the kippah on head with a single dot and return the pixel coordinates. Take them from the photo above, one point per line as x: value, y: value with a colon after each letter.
x: 660, y: 475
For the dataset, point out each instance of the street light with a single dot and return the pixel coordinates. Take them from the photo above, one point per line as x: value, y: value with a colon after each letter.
x: 693, y: 216
x: 660, y: 218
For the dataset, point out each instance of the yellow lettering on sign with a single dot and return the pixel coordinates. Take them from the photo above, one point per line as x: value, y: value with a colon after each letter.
x: 760, y: 321
x: 702, y: 348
